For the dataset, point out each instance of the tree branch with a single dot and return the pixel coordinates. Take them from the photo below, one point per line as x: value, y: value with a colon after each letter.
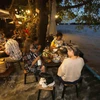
x: 11, y: 6
x: 75, y: 6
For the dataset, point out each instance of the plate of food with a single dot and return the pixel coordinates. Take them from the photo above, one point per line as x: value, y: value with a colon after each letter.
x: 48, y: 60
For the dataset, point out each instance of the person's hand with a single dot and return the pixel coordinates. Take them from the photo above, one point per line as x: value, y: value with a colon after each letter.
x: 37, y: 58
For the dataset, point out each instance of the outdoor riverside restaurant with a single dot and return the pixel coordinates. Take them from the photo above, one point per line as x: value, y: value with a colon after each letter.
x: 38, y: 65
x: 16, y: 79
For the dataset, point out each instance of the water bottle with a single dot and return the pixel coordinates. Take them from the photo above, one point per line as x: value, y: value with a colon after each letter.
x: 39, y: 62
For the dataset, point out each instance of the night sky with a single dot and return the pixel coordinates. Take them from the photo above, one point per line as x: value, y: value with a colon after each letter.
x: 4, y: 3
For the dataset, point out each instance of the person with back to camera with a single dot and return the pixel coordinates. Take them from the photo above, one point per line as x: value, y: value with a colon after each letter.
x: 12, y: 48
x: 57, y: 41
x: 71, y: 67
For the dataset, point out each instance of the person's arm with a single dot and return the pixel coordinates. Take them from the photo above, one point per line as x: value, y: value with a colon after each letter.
x: 60, y: 70
x: 6, y: 50
x: 35, y: 60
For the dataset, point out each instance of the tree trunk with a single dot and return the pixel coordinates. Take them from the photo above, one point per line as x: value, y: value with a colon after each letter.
x: 49, y: 17
x: 52, y: 26
x: 43, y: 21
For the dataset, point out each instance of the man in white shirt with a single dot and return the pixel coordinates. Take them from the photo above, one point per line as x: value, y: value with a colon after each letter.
x: 70, y: 69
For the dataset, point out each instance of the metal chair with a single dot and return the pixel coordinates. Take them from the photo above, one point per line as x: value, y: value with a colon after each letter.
x: 75, y: 83
x: 26, y: 74
x: 51, y: 89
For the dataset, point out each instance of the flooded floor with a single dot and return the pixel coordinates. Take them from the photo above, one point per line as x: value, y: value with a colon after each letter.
x: 15, y: 89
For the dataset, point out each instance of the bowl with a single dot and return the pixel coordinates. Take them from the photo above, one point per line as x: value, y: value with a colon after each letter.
x: 56, y: 60
x: 55, y: 50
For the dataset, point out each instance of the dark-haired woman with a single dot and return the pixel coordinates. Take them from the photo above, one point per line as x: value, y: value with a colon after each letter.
x: 30, y: 59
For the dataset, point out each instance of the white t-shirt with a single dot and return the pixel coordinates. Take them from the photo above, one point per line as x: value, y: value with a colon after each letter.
x: 12, y: 48
x: 70, y: 69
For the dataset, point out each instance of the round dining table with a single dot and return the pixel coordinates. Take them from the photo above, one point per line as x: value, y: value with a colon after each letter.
x: 51, y: 64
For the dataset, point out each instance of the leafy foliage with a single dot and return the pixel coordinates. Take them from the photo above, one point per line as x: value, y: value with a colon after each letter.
x: 82, y: 11
x: 88, y: 12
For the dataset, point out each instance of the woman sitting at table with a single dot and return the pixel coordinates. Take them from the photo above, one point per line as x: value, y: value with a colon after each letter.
x: 57, y: 41
x: 31, y: 59
x: 35, y: 46
x: 70, y: 69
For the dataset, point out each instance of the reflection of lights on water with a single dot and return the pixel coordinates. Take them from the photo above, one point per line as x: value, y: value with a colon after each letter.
x: 56, y: 16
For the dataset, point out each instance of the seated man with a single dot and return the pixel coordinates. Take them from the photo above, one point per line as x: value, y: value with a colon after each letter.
x: 70, y: 69
x: 57, y: 41
x: 12, y: 48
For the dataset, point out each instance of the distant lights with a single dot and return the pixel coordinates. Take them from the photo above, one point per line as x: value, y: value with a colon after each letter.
x: 15, y: 9
x: 16, y: 12
x: 56, y: 16
x: 28, y: 11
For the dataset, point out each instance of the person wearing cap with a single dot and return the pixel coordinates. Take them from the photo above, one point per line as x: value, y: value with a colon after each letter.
x: 71, y: 67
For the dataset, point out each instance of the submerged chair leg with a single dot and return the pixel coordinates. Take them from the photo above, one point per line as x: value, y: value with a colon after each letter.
x: 53, y: 93
x: 76, y: 90
x: 25, y: 76
x: 39, y: 95
x: 36, y: 78
x: 63, y: 92
x: 20, y: 65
